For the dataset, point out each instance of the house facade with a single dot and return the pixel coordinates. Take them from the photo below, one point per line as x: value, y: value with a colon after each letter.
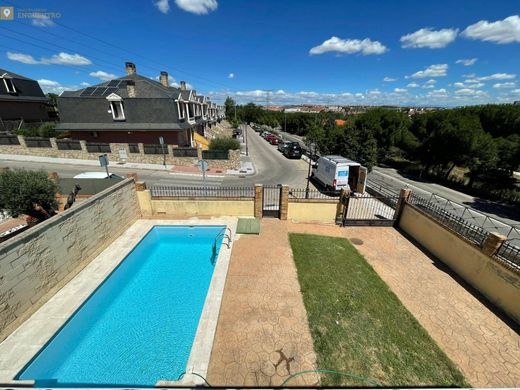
x: 134, y: 109
x: 21, y: 99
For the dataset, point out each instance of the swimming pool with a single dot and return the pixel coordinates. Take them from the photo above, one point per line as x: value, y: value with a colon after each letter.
x: 138, y: 327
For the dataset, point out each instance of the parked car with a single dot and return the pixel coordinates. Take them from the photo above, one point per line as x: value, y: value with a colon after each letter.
x: 97, y: 175
x: 274, y: 140
x: 269, y: 136
x: 264, y: 134
x: 283, y: 145
x: 337, y: 172
x: 293, y: 150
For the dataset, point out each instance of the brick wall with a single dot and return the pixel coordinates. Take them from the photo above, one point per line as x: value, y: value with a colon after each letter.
x: 36, y: 263
x: 233, y: 161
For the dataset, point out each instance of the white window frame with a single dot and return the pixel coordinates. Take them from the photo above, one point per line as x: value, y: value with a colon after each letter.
x: 7, y: 85
x: 180, y: 109
x: 121, y: 110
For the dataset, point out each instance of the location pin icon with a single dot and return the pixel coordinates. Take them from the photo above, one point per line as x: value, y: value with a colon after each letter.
x: 7, y: 12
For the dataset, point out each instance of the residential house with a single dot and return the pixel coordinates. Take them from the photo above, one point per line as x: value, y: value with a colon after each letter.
x: 133, y: 109
x: 21, y: 99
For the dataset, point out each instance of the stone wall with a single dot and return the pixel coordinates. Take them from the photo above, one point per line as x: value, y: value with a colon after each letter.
x: 36, y: 263
x: 233, y: 161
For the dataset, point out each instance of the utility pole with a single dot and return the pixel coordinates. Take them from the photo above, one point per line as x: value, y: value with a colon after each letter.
x: 245, y: 137
x: 235, y: 112
x: 311, y: 150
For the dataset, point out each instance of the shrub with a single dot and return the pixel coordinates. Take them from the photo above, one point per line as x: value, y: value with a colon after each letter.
x: 224, y: 144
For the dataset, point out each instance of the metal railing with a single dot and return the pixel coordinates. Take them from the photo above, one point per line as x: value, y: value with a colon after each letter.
x: 368, y: 208
x: 38, y: 142
x: 510, y: 254
x: 133, y: 148
x: 302, y: 193
x: 184, y: 152
x: 455, y: 223
x: 155, y: 149
x: 98, y: 147
x: 9, y: 140
x: 68, y: 144
x: 158, y: 191
x: 215, y: 154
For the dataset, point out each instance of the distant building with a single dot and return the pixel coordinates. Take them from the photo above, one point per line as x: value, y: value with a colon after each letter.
x: 136, y: 109
x: 517, y: 102
x: 21, y: 98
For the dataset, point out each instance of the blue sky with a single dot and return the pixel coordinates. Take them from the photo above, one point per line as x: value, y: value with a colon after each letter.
x: 337, y: 52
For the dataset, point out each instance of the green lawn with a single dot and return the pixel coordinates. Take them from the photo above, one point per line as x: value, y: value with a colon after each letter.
x: 358, y: 325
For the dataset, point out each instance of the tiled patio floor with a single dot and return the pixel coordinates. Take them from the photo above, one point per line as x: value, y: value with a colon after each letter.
x: 485, y: 348
x: 262, y: 333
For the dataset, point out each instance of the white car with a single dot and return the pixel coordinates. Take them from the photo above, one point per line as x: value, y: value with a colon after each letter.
x: 97, y: 175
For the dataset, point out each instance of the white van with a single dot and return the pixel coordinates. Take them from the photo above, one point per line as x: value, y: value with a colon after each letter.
x: 337, y: 172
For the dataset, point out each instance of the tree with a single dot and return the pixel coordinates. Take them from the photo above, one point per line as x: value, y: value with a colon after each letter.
x: 28, y: 192
x: 230, y: 107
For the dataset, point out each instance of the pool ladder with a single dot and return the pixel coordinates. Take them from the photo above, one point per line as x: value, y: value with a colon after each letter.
x: 224, y: 235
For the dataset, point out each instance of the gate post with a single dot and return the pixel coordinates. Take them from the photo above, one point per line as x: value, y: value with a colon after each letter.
x: 404, y: 196
x: 259, y: 196
x: 284, y: 202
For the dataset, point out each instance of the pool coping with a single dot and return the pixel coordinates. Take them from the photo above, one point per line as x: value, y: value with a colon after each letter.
x: 20, y: 347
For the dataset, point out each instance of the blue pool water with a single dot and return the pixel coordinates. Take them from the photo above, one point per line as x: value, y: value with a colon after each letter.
x: 138, y: 326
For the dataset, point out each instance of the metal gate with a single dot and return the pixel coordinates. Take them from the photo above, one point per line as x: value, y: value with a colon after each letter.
x: 368, y: 210
x: 271, y: 201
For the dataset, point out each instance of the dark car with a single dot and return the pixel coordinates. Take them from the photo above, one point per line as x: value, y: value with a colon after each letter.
x: 293, y: 150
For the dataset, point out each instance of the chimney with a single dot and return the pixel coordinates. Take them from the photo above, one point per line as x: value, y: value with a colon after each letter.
x: 183, y: 85
x: 163, y: 78
x: 130, y: 88
x: 130, y: 68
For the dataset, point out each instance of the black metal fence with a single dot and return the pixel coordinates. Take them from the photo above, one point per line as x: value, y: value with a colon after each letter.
x: 510, y: 254
x: 215, y: 154
x: 453, y: 222
x: 38, y: 142
x: 155, y: 149
x: 9, y: 140
x: 98, y: 147
x: 68, y: 144
x: 302, y: 193
x: 184, y: 152
x: 133, y: 148
x: 202, y: 192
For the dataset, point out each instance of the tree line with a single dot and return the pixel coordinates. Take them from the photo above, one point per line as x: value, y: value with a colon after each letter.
x: 482, y: 142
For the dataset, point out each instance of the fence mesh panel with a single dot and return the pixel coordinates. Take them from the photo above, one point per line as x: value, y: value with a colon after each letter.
x: 203, y: 192
x: 38, y: 142
x: 9, y: 140
x: 302, y: 193
x: 184, y: 152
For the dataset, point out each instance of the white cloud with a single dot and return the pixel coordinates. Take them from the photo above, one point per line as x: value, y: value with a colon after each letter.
x: 349, y: 46
x: 280, y: 92
x: 470, y: 92
x: 413, y: 85
x: 426, y: 37
x: 468, y: 84
x: 199, y: 7
x: 23, y: 58
x: 103, y: 75
x: 498, y: 76
x: 389, y: 79
x: 438, y: 70
x: 163, y: 6
x: 507, y: 85
x: 48, y: 83
x: 231, y: 76
x: 466, y: 61
x: 84, y: 84
x: 60, y: 59
x: 66, y: 59
x: 399, y: 90
x: 42, y: 20
x: 501, y: 31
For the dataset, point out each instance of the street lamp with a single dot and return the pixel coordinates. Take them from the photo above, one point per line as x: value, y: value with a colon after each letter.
x: 312, y: 148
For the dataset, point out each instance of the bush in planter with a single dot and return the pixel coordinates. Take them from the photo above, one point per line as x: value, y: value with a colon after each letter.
x: 224, y: 144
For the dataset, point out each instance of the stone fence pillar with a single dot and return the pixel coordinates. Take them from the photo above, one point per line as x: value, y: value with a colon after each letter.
x: 21, y: 139
x: 492, y: 243
x: 53, y: 142
x: 404, y: 196
x: 284, y: 202
x: 199, y: 152
x: 83, y: 145
x: 259, y: 195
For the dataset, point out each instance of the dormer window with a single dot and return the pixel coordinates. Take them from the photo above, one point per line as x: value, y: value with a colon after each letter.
x: 118, y: 113
x: 9, y: 85
x: 116, y: 107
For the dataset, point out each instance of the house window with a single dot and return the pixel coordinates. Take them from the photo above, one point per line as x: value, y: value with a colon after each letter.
x: 180, y: 109
x: 118, y: 112
x: 9, y: 85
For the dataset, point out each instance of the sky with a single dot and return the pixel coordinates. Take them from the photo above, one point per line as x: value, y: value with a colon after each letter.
x: 401, y: 52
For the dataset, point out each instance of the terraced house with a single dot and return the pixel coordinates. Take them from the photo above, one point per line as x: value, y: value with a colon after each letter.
x: 21, y: 99
x: 134, y: 109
